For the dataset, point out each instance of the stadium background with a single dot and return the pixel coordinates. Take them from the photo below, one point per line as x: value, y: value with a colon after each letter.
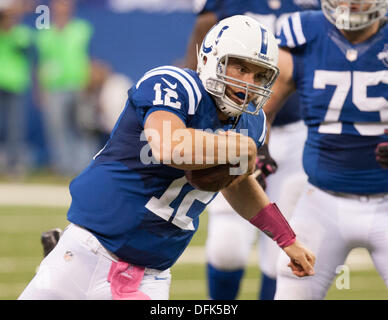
x: 133, y: 36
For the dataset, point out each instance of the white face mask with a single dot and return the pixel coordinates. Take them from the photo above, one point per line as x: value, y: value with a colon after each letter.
x: 257, y: 95
x: 353, y: 15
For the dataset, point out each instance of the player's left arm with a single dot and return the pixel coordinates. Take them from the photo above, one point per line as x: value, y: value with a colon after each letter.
x: 249, y: 200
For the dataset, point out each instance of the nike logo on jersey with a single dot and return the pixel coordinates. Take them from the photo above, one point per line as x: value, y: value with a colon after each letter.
x: 172, y: 86
x: 157, y: 278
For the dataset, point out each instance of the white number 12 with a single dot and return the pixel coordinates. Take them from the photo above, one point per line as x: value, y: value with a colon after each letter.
x: 161, y: 207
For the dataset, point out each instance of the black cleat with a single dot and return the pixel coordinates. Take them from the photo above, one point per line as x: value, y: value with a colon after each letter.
x: 49, y: 240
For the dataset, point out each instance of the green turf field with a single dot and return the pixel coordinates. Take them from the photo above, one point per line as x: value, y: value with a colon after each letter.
x: 21, y: 252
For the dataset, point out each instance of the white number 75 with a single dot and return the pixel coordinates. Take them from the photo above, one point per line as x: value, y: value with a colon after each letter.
x: 343, y: 81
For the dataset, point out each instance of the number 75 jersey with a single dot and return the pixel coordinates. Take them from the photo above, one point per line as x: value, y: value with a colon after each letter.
x: 343, y: 89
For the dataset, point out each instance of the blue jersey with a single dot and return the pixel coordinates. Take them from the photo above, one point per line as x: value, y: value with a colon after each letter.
x: 343, y: 90
x: 270, y: 13
x: 144, y: 212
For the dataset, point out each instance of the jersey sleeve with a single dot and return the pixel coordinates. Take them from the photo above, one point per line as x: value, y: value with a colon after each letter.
x: 260, y: 129
x: 296, y: 30
x: 224, y: 8
x: 254, y: 126
x: 166, y: 88
x: 209, y: 5
x: 296, y: 34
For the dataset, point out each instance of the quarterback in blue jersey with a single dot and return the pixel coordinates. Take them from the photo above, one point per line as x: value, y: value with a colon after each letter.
x: 227, y: 257
x: 133, y: 209
x: 339, y: 67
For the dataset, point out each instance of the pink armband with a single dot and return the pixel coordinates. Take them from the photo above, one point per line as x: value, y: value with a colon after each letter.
x: 271, y: 221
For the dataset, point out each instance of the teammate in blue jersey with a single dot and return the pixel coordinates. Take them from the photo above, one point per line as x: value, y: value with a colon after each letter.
x: 227, y: 257
x: 340, y: 69
x: 133, y: 211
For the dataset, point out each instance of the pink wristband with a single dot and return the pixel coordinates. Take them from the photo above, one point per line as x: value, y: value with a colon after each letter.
x: 271, y: 221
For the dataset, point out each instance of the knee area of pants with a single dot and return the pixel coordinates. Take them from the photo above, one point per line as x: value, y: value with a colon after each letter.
x: 228, y: 244
x: 228, y: 254
x: 228, y: 263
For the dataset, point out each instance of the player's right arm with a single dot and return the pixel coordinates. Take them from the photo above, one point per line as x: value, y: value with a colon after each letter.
x: 200, y: 148
x: 295, y: 33
x: 202, y: 25
x: 283, y: 87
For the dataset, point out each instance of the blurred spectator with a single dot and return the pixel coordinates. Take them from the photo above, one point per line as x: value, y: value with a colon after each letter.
x: 114, y: 94
x: 87, y: 114
x: 99, y: 107
x: 15, y: 40
x: 63, y: 72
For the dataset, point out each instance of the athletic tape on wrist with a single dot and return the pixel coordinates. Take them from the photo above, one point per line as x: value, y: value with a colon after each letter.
x: 271, y: 221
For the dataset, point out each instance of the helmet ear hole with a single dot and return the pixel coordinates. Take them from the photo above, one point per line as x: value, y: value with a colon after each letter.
x: 204, y: 60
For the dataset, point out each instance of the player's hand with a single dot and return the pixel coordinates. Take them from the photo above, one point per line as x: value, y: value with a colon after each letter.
x: 265, y: 165
x: 302, y: 260
x: 382, y: 153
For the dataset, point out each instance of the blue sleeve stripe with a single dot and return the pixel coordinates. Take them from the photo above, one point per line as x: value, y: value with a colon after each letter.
x: 180, y: 78
x: 188, y: 77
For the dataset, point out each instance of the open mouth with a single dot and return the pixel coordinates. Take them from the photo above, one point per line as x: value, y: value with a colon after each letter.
x: 240, y: 95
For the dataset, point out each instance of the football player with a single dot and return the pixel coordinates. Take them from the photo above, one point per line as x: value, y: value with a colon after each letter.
x: 340, y: 69
x: 132, y: 213
x: 227, y: 256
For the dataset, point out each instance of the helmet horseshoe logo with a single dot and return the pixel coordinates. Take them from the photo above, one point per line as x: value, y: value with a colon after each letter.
x: 210, y: 48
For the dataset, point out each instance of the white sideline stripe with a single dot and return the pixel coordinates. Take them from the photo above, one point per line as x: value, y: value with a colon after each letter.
x: 358, y: 259
x: 59, y: 196
x: 18, y: 264
x: 16, y: 194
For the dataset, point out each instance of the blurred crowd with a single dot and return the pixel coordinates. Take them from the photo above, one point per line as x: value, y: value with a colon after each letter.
x: 79, y: 98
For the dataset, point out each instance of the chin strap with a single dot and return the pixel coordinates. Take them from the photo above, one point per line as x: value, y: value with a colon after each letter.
x: 225, y: 106
x: 271, y: 221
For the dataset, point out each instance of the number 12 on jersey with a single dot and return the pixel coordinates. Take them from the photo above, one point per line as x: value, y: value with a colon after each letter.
x: 162, y: 206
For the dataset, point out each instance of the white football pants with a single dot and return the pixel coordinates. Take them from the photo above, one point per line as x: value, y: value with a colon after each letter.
x: 230, y: 237
x: 77, y: 269
x: 331, y: 226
